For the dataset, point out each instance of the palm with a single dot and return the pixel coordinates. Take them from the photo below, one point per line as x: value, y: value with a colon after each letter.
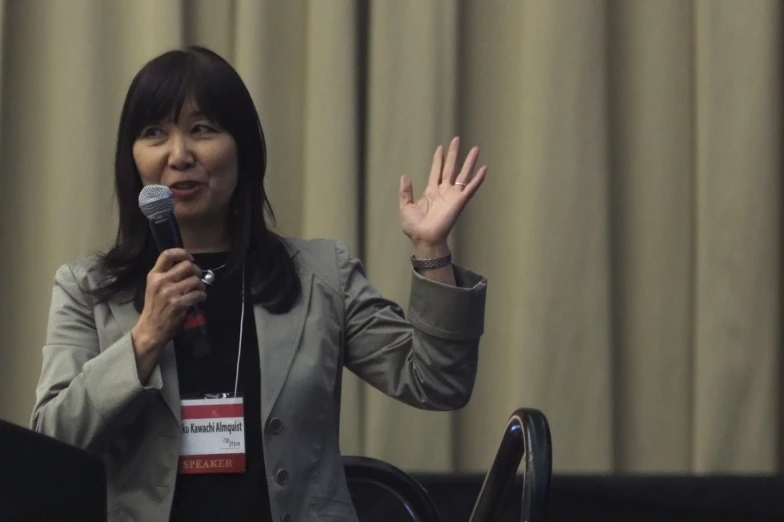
x: 430, y: 218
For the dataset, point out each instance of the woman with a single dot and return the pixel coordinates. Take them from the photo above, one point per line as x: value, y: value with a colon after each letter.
x: 284, y: 316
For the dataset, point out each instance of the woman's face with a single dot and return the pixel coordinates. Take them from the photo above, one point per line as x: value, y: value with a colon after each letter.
x: 195, y: 158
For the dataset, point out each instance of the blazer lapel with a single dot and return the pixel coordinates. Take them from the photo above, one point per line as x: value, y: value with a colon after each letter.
x: 126, y: 316
x: 279, y: 337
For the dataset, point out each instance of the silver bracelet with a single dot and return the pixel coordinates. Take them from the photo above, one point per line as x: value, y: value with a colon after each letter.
x: 436, y: 262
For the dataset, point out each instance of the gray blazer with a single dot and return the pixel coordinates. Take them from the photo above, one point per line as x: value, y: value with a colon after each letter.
x: 89, y: 394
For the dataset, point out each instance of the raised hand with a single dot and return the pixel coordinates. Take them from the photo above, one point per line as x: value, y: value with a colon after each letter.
x: 428, y: 220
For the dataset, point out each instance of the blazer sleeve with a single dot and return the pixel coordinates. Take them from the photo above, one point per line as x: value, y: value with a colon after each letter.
x: 428, y: 360
x: 85, y: 396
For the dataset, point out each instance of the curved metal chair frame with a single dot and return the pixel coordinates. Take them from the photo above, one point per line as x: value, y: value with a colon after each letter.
x: 527, y: 434
x: 410, y: 492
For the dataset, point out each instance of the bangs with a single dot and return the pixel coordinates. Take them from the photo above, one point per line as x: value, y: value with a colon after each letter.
x: 157, y: 95
x: 165, y: 84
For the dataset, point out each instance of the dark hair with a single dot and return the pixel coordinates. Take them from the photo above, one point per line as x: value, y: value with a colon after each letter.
x: 157, y: 93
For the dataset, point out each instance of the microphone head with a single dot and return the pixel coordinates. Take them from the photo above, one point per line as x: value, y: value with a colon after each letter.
x: 156, y: 201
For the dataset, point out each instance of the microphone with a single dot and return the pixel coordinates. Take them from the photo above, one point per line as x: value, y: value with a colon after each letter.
x: 157, y: 204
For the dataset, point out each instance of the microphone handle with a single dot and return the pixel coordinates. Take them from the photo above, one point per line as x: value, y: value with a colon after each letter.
x: 166, y: 234
x: 194, y: 331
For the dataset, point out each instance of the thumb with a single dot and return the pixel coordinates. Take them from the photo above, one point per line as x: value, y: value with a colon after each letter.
x: 406, y: 191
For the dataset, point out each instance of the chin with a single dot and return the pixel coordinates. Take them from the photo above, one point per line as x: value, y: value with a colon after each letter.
x: 197, y: 212
x: 188, y: 212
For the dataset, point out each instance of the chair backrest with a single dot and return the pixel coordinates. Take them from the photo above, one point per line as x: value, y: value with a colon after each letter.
x: 527, y: 434
x: 414, y: 500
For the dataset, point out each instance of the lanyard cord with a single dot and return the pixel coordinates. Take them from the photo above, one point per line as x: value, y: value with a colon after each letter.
x: 242, y: 322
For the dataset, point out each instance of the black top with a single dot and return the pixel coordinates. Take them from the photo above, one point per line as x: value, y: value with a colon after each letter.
x: 230, y: 496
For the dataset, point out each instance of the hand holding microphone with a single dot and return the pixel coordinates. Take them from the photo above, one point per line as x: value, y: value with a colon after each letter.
x: 174, y: 288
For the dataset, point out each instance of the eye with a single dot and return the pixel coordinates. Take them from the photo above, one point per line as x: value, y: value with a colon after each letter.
x: 152, y: 133
x: 203, y: 128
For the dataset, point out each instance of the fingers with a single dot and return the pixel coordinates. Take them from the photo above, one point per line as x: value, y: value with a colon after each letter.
x: 173, y: 275
x: 182, y: 270
x: 474, y: 184
x: 191, y: 284
x: 173, y: 294
x: 443, y: 172
x: 180, y: 287
x: 169, y: 258
x: 435, y: 168
x: 186, y: 292
x: 191, y: 299
x: 406, y: 191
x: 449, y: 173
x: 176, y: 264
x: 468, y: 167
x: 173, y: 285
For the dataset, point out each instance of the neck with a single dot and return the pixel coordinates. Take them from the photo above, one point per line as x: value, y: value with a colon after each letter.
x: 205, y: 239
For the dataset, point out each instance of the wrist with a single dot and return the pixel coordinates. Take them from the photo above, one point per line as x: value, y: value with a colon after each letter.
x: 430, y: 250
x: 143, y: 343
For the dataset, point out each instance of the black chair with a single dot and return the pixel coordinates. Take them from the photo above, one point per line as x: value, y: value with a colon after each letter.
x: 384, y: 493
x: 527, y: 434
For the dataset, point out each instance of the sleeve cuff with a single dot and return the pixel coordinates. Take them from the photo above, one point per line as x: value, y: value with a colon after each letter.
x: 450, y: 312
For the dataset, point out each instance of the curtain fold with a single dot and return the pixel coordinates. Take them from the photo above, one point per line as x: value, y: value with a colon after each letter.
x: 651, y: 136
x: 411, y: 110
x: 738, y: 216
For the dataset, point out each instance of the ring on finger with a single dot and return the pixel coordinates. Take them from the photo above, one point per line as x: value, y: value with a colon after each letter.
x: 461, y: 183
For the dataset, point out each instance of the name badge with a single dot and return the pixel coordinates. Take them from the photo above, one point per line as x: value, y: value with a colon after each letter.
x: 213, y: 436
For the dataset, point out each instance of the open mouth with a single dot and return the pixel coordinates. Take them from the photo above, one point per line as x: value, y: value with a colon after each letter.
x: 184, y: 185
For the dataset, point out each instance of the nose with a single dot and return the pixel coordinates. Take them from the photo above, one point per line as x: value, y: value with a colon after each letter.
x: 180, y: 155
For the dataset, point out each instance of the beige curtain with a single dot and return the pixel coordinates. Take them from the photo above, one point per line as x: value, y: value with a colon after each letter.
x: 629, y: 225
